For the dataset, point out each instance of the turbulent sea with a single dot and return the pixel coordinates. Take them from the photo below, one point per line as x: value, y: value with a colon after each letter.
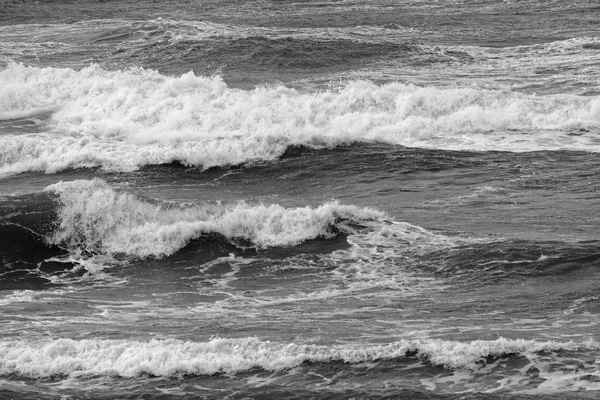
x: 300, y: 199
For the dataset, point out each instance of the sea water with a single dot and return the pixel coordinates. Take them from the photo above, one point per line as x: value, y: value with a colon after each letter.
x: 299, y: 199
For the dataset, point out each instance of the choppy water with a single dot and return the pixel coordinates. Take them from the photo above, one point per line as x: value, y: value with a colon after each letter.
x: 299, y: 199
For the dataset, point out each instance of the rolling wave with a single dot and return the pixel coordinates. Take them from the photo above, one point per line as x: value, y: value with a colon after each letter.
x: 130, y: 358
x: 88, y: 218
x: 123, y: 120
x: 96, y: 218
x: 84, y: 226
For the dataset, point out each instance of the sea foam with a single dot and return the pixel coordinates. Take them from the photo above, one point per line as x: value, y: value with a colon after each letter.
x: 171, y: 357
x: 122, y: 120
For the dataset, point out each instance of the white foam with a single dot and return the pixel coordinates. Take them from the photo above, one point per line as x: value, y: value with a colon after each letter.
x: 170, y: 357
x: 121, y: 120
x: 96, y: 218
x: 382, y: 256
x: 88, y: 269
x: 18, y: 296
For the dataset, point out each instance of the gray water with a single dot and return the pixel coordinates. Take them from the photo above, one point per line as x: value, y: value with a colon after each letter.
x: 299, y: 199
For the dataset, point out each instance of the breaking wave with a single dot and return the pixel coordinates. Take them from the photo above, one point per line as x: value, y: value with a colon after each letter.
x: 96, y: 218
x: 171, y: 357
x: 122, y: 120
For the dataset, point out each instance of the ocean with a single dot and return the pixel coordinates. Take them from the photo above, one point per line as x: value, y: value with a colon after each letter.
x: 306, y: 199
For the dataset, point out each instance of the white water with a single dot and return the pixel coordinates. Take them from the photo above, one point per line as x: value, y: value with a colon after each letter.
x: 128, y: 358
x: 122, y: 120
x: 96, y: 218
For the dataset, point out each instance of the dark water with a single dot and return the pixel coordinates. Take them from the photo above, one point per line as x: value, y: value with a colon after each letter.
x: 269, y: 199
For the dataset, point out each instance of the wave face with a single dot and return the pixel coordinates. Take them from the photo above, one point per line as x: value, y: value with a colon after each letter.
x: 129, y: 358
x: 122, y: 120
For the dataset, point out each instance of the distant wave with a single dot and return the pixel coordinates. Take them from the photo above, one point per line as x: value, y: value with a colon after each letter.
x: 179, y: 46
x: 129, y: 358
x: 122, y: 120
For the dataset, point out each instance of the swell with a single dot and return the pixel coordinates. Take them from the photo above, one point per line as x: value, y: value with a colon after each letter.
x: 250, y: 61
x: 509, y: 260
x: 248, y: 56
